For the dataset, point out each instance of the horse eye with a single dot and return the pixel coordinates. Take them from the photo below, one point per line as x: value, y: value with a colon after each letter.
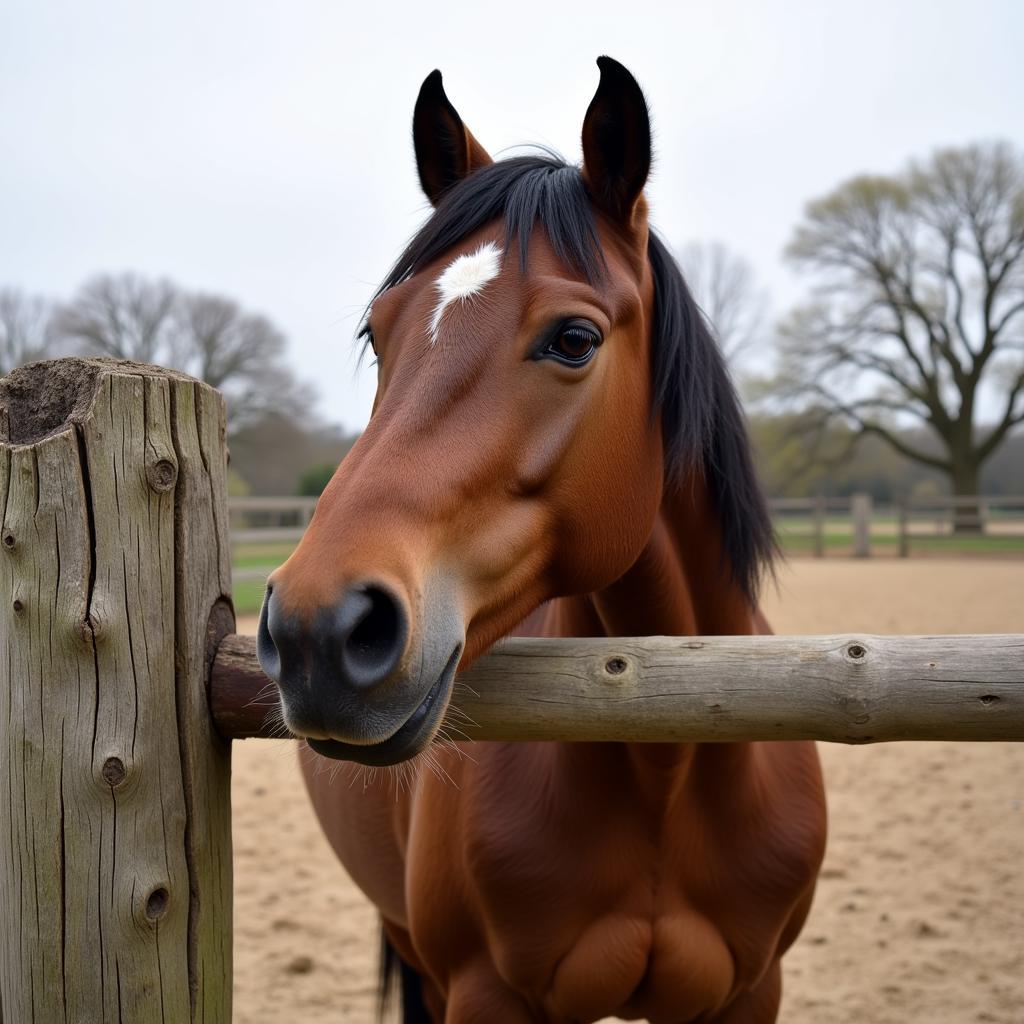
x: 574, y: 344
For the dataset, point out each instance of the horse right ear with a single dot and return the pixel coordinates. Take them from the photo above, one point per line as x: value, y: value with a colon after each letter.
x: 617, y: 142
x: 445, y: 148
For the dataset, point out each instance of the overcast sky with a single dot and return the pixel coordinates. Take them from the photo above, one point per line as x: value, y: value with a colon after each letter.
x: 263, y: 150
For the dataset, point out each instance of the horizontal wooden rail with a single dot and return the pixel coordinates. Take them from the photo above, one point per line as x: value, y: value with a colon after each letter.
x: 268, y: 535
x: 249, y: 575
x: 272, y: 503
x: 843, y: 689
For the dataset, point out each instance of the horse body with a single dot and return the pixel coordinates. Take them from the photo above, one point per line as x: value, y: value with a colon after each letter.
x: 576, y: 881
x: 556, y: 447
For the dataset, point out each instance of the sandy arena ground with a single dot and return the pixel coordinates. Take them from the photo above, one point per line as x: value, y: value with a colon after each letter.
x: 919, y: 915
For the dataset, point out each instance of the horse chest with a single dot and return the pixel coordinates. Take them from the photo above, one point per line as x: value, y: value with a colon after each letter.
x: 587, y: 904
x: 607, y: 935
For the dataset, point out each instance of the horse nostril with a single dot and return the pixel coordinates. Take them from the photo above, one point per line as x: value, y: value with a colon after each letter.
x: 373, y: 631
x: 357, y: 642
x: 267, y: 653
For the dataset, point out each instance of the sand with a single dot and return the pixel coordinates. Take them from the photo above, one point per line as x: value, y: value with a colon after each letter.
x: 919, y: 915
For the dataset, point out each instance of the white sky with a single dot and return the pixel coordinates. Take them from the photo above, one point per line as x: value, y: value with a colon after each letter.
x: 263, y: 150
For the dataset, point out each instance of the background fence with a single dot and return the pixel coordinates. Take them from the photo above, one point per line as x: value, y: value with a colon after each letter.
x: 974, y: 525
x: 264, y: 530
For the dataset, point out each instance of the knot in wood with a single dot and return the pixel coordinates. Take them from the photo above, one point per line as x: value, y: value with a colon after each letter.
x: 91, y: 630
x: 615, y: 666
x: 9, y: 540
x: 856, y: 651
x: 156, y: 903
x: 18, y: 605
x: 161, y: 474
x: 114, y: 771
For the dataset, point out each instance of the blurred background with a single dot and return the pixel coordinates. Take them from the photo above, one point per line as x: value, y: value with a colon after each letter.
x: 218, y: 187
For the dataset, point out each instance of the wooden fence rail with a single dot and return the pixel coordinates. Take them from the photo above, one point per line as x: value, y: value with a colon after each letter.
x: 843, y: 689
x: 896, y: 528
x: 123, y: 682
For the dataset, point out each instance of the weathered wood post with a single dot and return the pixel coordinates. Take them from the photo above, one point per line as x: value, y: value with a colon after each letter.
x: 860, y: 509
x: 115, y: 841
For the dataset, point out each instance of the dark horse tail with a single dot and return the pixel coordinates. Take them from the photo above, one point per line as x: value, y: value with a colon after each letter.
x: 392, y: 967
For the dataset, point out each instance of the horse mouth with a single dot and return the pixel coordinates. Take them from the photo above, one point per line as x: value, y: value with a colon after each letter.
x: 409, y: 739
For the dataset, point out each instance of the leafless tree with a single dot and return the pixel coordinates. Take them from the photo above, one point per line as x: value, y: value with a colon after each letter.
x: 242, y: 354
x: 209, y: 336
x: 919, y: 310
x: 122, y: 315
x: 24, y: 329
x: 724, y: 286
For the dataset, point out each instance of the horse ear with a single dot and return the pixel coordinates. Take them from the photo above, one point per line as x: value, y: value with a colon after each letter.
x: 616, y: 142
x: 445, y: 148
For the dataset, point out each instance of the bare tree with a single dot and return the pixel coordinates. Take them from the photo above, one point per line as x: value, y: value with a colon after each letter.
x: 725, y: 289
x: 209, y: 336
x: 122, y: 315
x: 222, y: 343
x: 241, y: 354
x: 919, y: 313
x: 24, y: 329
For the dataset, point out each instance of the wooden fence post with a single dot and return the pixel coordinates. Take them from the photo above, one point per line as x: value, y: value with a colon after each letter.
x: 904, y: 527
x: 115, y: 847
x: 819, y: 526
x: 860, y: 509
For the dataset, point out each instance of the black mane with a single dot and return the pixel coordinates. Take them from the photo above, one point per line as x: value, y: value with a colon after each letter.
x: 702, y: 421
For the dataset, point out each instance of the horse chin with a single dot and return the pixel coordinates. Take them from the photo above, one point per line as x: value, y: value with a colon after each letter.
x: 410, y: 738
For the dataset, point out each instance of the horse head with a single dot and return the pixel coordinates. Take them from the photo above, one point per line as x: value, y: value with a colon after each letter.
x: 521, y: 437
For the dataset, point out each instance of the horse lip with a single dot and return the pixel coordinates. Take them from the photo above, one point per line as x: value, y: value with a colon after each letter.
x: 405, y: 741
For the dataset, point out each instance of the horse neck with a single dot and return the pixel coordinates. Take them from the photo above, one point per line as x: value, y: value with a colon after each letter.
x: 680, y: 585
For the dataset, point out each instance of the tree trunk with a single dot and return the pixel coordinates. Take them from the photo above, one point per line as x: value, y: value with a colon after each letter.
x: 967, y: 516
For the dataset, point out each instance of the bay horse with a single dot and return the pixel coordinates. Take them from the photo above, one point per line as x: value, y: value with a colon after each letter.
x: 555, y: 445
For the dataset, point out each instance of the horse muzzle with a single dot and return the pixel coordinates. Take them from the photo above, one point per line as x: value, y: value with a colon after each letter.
x: 363, y: 678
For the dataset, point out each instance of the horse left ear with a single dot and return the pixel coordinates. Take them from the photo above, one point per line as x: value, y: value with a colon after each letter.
x: 445, y: 148
x: 616, y: 142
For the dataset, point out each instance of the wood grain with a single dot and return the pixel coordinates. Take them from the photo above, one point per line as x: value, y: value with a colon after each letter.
x: 103, y: 624
x: 844, y: 689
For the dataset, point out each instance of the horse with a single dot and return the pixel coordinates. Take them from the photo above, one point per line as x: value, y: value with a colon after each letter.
x: 555, y: 449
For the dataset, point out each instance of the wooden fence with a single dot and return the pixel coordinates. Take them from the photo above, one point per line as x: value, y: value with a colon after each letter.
x: 125, y: 684
x: 804, y: 524
x: 940, y: 523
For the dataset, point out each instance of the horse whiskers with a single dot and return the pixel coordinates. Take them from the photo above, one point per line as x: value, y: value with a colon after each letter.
x: 430, y: 759
x: 456, y: 712
x: 461, y: 685
x: 444, y: 739
x: 273, y: 721
x: 258, y: 698
x: 462, y: 718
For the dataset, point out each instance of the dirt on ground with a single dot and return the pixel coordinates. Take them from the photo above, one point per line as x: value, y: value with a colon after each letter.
x: 919, y: 914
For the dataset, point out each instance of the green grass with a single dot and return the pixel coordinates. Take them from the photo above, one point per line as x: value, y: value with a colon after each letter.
x: 248, y: 596
x: 256, y: 556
